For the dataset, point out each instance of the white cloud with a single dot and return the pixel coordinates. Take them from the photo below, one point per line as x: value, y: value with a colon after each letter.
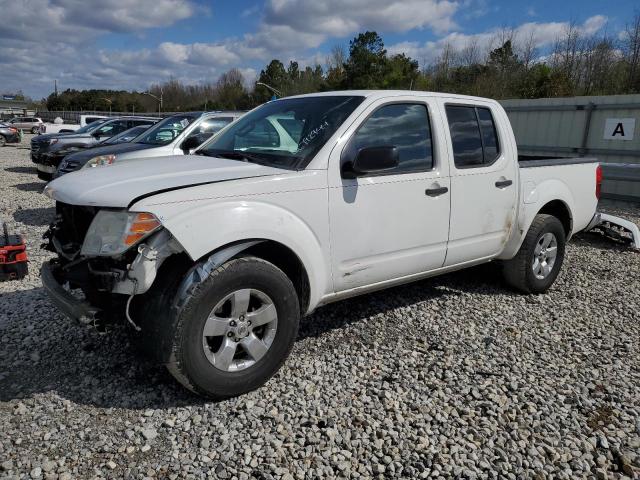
x: 343, y: 17
x: 43, y: 40
x: 543, y: 35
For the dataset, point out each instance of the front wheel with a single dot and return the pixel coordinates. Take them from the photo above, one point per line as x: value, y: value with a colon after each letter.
x: 3, y: 141
x: 537, y: 264
x: 35, y: 130
x: 234, y: 328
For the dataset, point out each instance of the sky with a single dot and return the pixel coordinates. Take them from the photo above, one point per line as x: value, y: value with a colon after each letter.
x: 131, y: 44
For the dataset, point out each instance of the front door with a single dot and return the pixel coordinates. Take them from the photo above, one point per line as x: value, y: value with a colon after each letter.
x: 393, y: 223
x: 483, y: 183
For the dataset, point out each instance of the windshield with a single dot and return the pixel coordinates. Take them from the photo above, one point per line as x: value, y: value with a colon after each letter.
x: 165, y: 131
x: 91, y: 126
x: 126, y: 136
x: 285, y: 133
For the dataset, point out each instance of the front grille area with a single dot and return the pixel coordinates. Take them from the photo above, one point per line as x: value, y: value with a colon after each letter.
x: 66, y: 234
x: 75, y: 221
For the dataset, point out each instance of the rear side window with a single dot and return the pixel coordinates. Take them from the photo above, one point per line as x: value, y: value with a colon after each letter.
x: 473, y: 135
x: 405, y: 126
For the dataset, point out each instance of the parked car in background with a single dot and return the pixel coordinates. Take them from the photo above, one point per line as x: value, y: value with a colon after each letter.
x: 58, y: 126
x: 87, y: 119
x: 175, y: 135
x: 213, y: 257
x: 8, y: 134
x: 48, y: 152
x: 27, y: 124
x: 99, y: 149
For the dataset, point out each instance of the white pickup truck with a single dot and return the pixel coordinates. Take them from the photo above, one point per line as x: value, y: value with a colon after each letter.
x: 213, y: 257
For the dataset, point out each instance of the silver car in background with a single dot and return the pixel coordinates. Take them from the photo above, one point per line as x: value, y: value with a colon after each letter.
x: 27, y: 124
x: 178, y: 134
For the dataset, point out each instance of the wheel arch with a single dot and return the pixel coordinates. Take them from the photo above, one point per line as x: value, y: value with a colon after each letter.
x: 273, y: 252
x: 552, y: 199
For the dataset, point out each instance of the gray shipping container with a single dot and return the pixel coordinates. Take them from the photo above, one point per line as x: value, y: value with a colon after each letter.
x: 606, y: 127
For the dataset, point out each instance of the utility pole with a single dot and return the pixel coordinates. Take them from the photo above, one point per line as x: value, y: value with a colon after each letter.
x: 109, y: 101
x: 157, y: 98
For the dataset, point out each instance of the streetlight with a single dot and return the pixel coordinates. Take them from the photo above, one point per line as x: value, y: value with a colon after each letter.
x: 109, y: 101
x: 158, y: 99
x: 276, y: 92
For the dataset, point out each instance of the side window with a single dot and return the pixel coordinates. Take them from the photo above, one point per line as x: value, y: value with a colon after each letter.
x: 120, y: 126
x: 402, y: 125
x: 262, y: 135
x: 489, y: 135
x: 105, y: 130
x: 473, y: 136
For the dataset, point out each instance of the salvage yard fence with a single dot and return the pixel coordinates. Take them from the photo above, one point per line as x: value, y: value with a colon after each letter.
x: 605, y: 127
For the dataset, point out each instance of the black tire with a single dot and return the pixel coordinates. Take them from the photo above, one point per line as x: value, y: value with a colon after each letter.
x: 518, y: 272
x: 196, y: 299
x: 35, y: 130
x: 45, y: 176
x: 3, y: 141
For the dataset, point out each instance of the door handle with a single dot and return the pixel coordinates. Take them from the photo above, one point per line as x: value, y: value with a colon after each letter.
x: 503, y: 183
x: 436, y: 192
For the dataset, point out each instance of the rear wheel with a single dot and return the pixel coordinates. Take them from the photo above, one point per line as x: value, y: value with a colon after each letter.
x: 233, y: 328
x: 35, y: 130
x: 538, y: 262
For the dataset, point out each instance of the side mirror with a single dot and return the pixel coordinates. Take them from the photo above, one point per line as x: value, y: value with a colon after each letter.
x: 370, y: 161
x: 190, y: 143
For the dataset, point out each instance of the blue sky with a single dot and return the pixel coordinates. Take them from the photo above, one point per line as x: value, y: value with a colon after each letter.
x: 130, y: 44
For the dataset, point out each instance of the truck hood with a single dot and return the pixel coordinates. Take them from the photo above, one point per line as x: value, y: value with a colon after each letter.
x: 121, y: 185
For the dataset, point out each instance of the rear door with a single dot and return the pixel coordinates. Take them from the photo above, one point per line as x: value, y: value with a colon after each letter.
x: 395, y: 223
x: 483, y: 181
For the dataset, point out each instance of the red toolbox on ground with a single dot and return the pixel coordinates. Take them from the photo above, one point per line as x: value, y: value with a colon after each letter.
x: 13, y: 256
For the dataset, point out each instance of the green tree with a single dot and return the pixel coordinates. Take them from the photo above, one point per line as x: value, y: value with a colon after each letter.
x: 401, y: 72
x: 275, y: 76
x: 367, y: 62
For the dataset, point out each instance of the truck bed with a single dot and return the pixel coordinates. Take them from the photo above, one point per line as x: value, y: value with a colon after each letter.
x: 530, y: 161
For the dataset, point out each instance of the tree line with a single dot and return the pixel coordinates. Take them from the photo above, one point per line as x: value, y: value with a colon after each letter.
x: 512, y: 67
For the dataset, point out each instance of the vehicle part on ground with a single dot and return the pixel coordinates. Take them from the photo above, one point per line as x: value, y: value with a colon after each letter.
x: 616, y: 228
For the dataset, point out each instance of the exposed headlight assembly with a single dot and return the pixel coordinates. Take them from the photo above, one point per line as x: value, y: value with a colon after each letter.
x: 100, y: 161
x: 113, y: 232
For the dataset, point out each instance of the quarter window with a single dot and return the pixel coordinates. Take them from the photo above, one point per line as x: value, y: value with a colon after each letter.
x: 473, y: 136
x: 403, y: 125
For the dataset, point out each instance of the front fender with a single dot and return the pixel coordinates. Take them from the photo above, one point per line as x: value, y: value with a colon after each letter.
x: 205, y: 228
x: 533, y: 198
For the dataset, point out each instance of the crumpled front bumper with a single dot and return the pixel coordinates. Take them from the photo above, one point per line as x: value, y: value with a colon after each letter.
x: 63, y: 299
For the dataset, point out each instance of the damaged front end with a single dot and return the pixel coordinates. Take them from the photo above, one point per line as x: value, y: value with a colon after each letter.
x: 104, y: 258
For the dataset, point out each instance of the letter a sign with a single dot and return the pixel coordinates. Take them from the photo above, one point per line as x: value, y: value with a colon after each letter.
x: 619, y: 128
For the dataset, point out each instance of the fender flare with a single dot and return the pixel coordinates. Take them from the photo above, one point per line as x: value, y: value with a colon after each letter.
x: 240, y: 224
x: 533, y: 202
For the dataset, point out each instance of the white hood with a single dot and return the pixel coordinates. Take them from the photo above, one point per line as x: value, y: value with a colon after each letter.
x: 119, y: 184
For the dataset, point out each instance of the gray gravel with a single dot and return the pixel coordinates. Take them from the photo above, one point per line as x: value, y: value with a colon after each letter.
x: 456, y: 377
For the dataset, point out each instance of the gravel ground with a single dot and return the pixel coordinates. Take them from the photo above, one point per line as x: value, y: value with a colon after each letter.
x: 455, y: 377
